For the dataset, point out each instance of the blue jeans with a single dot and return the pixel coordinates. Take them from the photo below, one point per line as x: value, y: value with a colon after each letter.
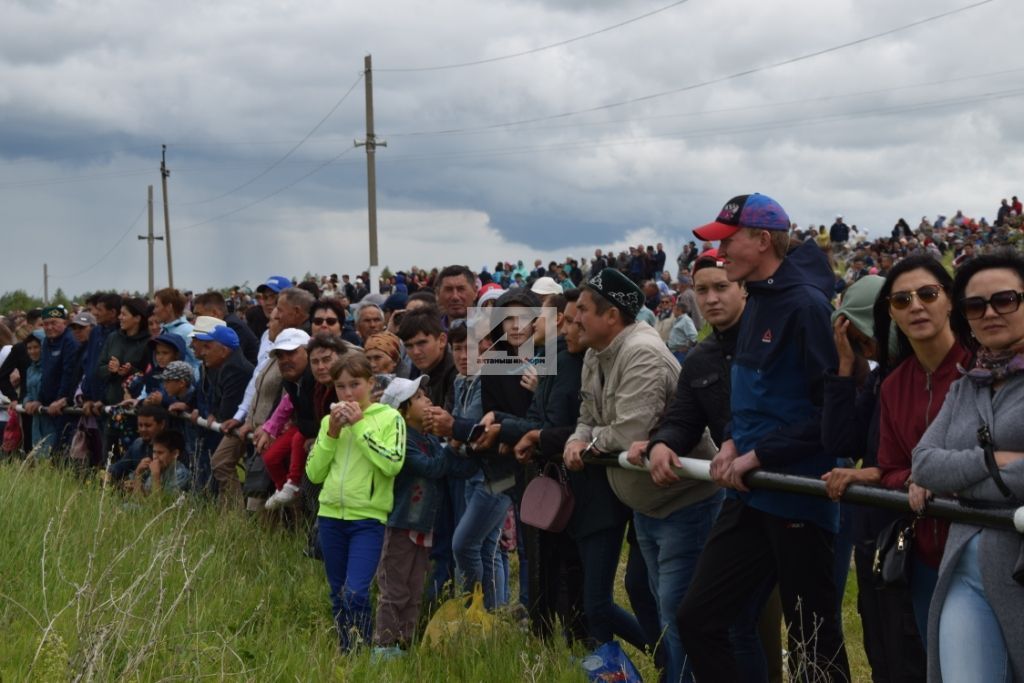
x: 599, y: 553
x: 450, y: 511
x: 844, y: 551
x: 671, y: 547
x: 351, y: 553
x: 475, y: 543
x: 922, y: 584
x: 971, y: 643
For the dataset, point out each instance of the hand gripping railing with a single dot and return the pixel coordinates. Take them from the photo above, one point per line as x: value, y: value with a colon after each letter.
x: 941, y: 508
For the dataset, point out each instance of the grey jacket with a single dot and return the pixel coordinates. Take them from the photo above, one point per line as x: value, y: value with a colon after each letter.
x: 625, y: 389
x: 948, y: 460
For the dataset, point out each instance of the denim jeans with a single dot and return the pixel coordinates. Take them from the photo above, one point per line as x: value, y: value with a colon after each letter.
x: 599, y: 553
x: 475, y: 543
x: 971, y: 643
x: 351, y: 553
x: 671, y: 547
x: 922, y: 584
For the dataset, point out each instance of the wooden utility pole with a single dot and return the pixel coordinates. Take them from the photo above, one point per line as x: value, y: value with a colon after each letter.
x: 371, y: 145
x: 46, y: 285
x: 150, y: 238
x: 164, y: 173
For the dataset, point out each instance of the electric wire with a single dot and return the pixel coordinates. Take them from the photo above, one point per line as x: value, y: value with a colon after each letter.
x: 264, y: 198
x: 287, y: 154
x: 491, y: 60
x: 713, y: 81
x: 750, y: 107
x: 681, y: 135
x: 109, y: 251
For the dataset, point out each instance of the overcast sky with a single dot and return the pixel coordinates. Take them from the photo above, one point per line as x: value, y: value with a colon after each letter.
x: 925, y: 120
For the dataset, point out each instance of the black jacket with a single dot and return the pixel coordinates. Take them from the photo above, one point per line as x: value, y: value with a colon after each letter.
x: 18, y: 360
x: 702, y: 395
x: 441, y: 385
x: 555, y: 410
x: 247, y: 340
x: 227, y: 386
x: 849, y: 431
x: 302, y: 394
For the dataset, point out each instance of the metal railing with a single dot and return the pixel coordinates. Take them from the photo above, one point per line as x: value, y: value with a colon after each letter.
x: 1009, y: 518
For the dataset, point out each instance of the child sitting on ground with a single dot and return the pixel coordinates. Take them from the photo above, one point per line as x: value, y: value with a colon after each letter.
x: 408, y: 538
x: 163, y: 473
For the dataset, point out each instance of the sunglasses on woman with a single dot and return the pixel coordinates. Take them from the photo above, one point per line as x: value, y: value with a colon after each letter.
x: 330, y: 322
x: 1003, y: 303
x: 927, y: 294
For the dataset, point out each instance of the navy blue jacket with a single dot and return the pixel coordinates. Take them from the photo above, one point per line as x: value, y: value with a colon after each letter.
x: 417, y: 488
x: 783, y: 353
x: 58, y: 364
x: 93, y: 390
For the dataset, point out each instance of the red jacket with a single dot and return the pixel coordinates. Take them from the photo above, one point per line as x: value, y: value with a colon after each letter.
x: 911, y: 398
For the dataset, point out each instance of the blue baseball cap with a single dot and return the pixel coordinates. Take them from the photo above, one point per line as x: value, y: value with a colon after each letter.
x: 757, y: 211
x: 222, y: 334
x: 275, y: 283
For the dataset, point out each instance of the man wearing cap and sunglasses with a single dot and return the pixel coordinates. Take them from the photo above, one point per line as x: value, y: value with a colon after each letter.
x: 784, y: 350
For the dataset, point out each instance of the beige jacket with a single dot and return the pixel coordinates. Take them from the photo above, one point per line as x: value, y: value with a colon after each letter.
x: 625, y: 389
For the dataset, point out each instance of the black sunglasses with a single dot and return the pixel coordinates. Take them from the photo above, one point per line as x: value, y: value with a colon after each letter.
x: 927, y: 294
x: 325, y: 321
x: 1003, y: 303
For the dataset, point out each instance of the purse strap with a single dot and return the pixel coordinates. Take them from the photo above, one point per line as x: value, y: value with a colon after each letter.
x: 988, y: 447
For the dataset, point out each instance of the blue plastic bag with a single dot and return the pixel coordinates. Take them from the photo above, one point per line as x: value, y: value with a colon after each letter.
x: 609, y: 663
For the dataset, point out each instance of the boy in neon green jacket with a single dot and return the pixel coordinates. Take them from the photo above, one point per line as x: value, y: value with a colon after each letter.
x: 360, y: 449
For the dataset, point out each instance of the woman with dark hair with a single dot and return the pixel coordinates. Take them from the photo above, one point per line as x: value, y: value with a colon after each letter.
x: 125, y: 351
x: 918, y: 364
x: 850, y: 429
x: 974, y: 450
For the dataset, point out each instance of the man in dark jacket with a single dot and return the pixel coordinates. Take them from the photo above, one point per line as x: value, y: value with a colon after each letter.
x: 783, y: 352
x: 227, y: 374
x: 214, y: 305
x: 839, y: 233
x: 106, y: 310
x: 702, y: 402
x: 56, y: 391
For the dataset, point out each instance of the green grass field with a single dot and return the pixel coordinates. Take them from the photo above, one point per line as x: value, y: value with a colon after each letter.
x: 94, y: 587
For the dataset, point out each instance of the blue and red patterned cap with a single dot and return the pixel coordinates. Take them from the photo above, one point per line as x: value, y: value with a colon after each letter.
x: 757, y: 211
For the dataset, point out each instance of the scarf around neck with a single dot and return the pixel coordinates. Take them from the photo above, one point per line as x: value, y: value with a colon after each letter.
x: 996, y: 366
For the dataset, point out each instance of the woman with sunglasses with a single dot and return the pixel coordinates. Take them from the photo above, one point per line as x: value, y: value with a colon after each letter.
x: 974, y: 450
x: 918, y: 367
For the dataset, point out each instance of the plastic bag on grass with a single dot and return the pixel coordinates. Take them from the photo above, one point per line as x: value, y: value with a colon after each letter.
x: 454, y: 620
x: 609, y: 663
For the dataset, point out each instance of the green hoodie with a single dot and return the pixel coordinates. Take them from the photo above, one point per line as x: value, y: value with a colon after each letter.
x: 358, y: 468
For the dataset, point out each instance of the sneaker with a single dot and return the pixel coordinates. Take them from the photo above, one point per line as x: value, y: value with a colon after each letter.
x: 288, y: 494
x: 383, y: 654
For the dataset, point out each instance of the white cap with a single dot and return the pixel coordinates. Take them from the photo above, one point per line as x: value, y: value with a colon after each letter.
x: 545, y: 286
x: 401, y: 390
x: 289, y: 340
x: 204, y: 324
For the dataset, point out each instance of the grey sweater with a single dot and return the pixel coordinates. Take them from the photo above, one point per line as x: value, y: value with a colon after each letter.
x: 949, y: 461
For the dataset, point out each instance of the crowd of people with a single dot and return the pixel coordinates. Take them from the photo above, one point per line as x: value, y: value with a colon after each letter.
x: 817, y: 353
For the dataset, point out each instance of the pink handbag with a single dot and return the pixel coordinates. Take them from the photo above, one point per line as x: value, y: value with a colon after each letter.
x: 547, y: 501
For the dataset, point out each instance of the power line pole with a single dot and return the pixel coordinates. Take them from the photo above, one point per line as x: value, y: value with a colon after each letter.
x: 46, y: 285
x: 371, y: 143
x: 150, y: 238
x: 164, y: 173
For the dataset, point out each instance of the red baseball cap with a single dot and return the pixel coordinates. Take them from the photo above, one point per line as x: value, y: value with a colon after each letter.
x: 744, y: 211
